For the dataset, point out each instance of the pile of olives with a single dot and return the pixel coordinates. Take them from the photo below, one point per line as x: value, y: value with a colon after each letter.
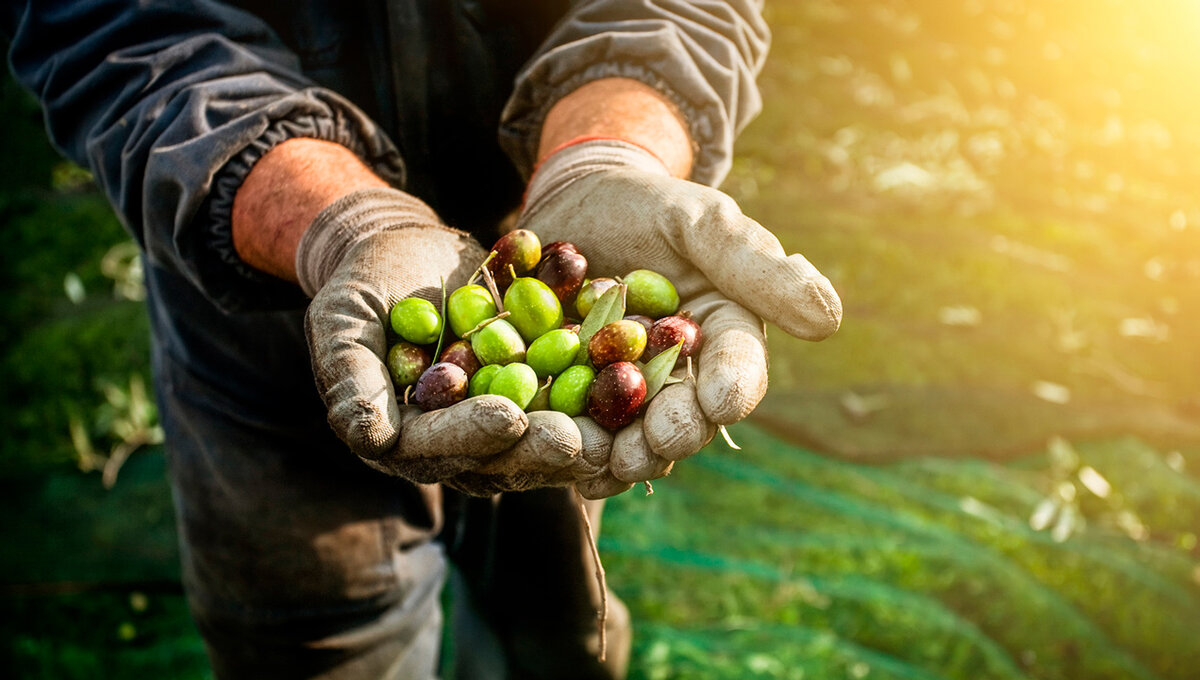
x: 542, y: 334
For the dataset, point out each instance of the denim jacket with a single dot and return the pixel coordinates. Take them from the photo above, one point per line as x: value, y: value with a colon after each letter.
x: 170, y: 102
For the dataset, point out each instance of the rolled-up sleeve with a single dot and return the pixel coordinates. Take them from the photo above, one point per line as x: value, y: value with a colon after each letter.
x: 704, y: 55
x: 170, y: 104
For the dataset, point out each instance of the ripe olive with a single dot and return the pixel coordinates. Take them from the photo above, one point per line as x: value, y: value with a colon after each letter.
x: 667, y: 332
x: 616, y: 395
x: 520, y: 248
x: 460, y: 354
x: 621, y: 340
x: 406, y: 362
x: 442, y: 385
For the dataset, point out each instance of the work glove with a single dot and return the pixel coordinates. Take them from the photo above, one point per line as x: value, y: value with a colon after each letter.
x: 361, y: 256
x: 622, y: 208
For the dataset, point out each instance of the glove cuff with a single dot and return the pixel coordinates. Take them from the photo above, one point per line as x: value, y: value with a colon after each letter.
x: 580, y: 158
x: 349, y: 220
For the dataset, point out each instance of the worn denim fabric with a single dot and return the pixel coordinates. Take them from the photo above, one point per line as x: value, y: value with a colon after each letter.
x: 299, y: 561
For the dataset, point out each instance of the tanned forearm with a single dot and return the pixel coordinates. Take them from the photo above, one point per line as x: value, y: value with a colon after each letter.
x: 625, y: 109
x: 285, y: 190
x: 293, y: 182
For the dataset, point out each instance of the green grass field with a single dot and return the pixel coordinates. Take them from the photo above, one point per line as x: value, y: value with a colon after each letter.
x: 989, y: 472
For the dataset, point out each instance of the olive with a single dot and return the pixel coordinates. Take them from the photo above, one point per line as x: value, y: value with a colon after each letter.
x: 482, y: 380
x: 650, y: 293
x: 621, y: 340
x: 406, y: 362
x: 442, y: 385
x: 590, y: 292
x: 467, y: 307
x: 553, y: 352
x: 520, y: 248
x: 646, y: 321
x: 533, y: 308
x: 616, y: 395
x: 668, y: 332
x: 563, y: 271
x: 498, y: 343
x: 517, y: 382
x: 460, y: 354
x: 568, y: 392
x: 417, y: 321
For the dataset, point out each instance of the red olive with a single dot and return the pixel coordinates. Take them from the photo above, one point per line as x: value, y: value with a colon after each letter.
x: 564, y: 271
x: 616, y: 395
x: 667, y: 332
x: 460, y: 354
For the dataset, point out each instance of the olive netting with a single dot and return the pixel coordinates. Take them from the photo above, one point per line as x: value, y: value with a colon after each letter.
x: 775, y: 562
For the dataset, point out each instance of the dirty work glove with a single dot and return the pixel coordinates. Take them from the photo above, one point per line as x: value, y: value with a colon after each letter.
x: 623, y: 209
x: 359, y: 257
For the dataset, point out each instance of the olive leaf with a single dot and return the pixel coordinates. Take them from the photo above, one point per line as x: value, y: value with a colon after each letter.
x: 608, y: 308
x: 658, y: 369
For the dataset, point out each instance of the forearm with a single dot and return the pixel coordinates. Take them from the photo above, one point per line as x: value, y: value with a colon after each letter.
x: 624, y: 109
x: 287, y: 188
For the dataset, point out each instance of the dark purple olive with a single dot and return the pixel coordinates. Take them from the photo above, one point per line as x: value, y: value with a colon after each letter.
x: 460, y: 354
x: 646, y: 321
x: 444, y: 384
x: 667, y: 332
x: 557, y: 246
x: 406, y: 362
x: 564, y: 271
x: 616, y: 395
x: 520, y: 248
x: 621, y: 340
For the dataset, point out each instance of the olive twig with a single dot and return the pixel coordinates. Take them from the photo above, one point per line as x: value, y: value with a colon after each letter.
x: 602, y: 615
x: 492, y: 288
x: 483, y: 324
x: 649, y: 487
x: 482, y: 265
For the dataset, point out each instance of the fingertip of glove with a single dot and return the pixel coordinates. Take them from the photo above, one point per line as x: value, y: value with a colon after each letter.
x: 675, y: 426
x: 497, y: 416
x: 366, y: 430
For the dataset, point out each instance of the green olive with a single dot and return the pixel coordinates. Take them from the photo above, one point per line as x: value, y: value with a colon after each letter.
x: 417, y: 321
x: 467, y: 307
x: 516, y: 381
x: 498, y: 343
x: 568, y: 393
x: 533, y: 308
x: 650, y: 293
x: 553, y: 352
x: 482, y: 380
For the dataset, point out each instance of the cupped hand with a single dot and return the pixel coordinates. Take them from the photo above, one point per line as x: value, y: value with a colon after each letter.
x: 624, y: 212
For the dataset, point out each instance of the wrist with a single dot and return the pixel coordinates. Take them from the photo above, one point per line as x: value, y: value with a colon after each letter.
x: 284, y: 192
x: 350, y: 220
x: 583, y: 156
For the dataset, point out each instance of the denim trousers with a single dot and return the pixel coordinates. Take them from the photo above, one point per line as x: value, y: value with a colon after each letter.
x: 301, y: 562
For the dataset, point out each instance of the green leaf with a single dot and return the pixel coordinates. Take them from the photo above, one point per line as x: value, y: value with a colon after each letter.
x: 609, y: 308
x: 442, y: 337
x: 658, y: 369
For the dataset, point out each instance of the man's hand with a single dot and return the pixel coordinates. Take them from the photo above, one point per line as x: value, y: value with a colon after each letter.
x: 626, y: 208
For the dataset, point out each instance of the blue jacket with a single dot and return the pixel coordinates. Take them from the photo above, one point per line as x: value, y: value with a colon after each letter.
x: 170, y: 102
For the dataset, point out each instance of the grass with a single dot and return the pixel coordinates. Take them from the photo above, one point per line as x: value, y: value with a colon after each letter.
x: 1003, y: 194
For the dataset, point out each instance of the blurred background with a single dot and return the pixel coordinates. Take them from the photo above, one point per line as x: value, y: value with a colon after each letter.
x: 991, y: 471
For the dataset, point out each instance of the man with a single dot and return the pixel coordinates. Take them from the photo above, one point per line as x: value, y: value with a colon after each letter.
x: 271, y: 152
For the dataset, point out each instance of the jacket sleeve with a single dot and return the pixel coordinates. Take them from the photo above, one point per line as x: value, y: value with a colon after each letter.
x: 169, y: 104
x: 704, y: 55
